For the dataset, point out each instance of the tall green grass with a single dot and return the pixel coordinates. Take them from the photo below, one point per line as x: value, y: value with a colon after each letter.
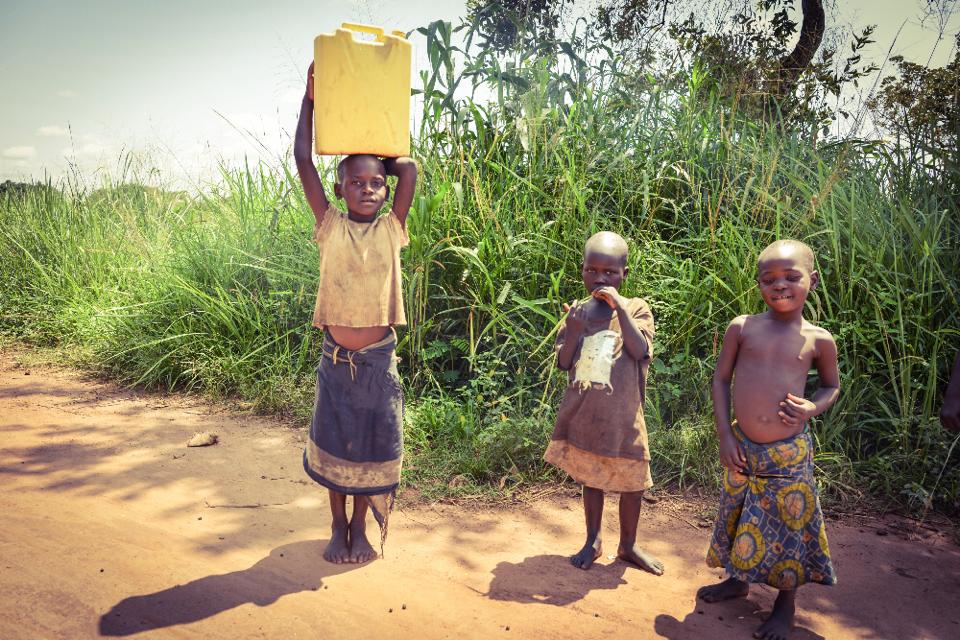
x: 214, y: 292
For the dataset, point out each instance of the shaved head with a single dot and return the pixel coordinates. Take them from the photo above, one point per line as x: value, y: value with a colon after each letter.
x: 349, y: 160
x: 788, y: 249
x: 607, y: 243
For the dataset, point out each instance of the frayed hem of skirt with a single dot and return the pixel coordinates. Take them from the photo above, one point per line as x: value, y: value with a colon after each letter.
x: 350, y: 491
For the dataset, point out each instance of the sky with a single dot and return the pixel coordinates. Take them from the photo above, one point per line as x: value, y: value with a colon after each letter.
x: 89, y: 88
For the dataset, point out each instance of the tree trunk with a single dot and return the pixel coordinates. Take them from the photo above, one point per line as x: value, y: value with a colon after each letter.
x: 811, y: 35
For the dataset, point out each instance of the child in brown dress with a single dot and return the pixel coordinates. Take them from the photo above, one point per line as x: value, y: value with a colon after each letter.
x: 600, y: 437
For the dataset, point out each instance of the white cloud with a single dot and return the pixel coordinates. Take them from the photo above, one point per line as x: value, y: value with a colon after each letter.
x: 87, y: 145
x: 53, y: 131
x: 86, y: 150
x: 19, y: 153
x: 92, y: 149
x: 67, y: 93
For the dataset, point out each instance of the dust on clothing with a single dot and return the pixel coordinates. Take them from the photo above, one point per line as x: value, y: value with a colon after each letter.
x: 359, y: 259
x: 355, y: 445
x: 600, y: 437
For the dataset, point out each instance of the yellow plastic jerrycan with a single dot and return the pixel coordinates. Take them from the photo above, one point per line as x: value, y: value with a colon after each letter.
x: 362, y: 92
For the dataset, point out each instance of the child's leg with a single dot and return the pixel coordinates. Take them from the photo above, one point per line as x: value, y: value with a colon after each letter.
x: 360, y: 548
x: 778, y: 625
x: 338, y: 550
x: 593, y: 512
x: 629, y: 519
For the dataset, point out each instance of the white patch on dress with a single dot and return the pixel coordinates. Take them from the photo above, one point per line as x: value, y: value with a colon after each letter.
x: 596, y: 360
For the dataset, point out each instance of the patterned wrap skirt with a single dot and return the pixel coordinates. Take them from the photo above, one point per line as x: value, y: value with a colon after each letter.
x: 769, y: 527
x: 356, y: 435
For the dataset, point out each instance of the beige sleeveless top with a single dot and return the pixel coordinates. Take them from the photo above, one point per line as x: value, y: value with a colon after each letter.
x: 359, y: 271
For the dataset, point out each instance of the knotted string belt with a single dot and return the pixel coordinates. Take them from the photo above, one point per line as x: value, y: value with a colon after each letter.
x: 333, y: 351
x: 336, y: 352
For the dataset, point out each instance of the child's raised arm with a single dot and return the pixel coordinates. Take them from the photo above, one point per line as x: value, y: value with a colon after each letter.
x: 636, y: 342
x: 731, y: 455
x: 574, y: 326
x: 303, y: 154
x: 405, y: 169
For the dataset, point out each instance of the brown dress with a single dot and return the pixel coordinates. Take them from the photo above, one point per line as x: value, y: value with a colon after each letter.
x: 600, y: 438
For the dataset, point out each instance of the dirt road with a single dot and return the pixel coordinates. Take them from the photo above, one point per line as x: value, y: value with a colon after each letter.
x: 112, y: 527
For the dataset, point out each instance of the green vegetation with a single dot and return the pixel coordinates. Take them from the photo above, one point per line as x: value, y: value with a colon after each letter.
x: 214, y: 291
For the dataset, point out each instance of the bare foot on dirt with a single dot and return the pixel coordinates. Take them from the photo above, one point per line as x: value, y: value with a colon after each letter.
x: 726, y: 590
x: 584, y: 558
x: 360, y: 548
x: 778, y: 625
x: 635, y: 555
x: 337, y: 550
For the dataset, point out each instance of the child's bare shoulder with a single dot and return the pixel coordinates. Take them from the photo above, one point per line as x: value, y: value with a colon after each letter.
x: 736, y: 326
x: 753, y: 328
x: 818, y: 334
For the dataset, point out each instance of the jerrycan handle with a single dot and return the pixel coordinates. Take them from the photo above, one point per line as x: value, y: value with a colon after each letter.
x: 364, y: 28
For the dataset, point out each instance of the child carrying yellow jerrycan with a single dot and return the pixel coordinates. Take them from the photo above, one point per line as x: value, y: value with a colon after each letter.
x: 355, y: 445
x: 362, y: 92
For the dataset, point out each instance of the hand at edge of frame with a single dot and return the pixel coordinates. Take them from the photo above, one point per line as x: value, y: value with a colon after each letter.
x: 950, y: 415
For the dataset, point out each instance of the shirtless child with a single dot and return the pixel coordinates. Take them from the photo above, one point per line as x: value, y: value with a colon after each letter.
x: 600, y: 437
x: 769, y: 528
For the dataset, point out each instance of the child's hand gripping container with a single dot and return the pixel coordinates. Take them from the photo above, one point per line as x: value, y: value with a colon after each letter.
x: 362, y: 92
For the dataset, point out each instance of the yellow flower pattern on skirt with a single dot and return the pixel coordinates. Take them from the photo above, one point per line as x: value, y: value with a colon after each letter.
x: 748, y: 547
x: 769, y: 528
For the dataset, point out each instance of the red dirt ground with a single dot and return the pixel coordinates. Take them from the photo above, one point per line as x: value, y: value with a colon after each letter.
x: 112, y: 527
